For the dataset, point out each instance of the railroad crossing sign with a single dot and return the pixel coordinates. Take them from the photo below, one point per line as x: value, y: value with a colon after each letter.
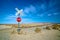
x: 18, y: 18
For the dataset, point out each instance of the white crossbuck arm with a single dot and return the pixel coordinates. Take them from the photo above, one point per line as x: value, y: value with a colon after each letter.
x: 18, y: 11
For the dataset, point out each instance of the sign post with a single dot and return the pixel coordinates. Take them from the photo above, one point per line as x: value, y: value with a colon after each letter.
x: 18, y: 20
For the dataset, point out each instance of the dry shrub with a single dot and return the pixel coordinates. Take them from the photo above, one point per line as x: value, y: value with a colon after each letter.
x: 16, y: 26
x: 47, y: 28
x: 21, y: 32
x: 22, y: 26
x: 56, y: 26
x: 13, y: 32
x: 37, y: 30
x: 59, y: 29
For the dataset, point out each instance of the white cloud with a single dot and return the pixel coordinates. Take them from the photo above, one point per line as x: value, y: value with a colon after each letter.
x: 29, y: 9
x: 55, y: 13
x: 49, y: 14
x: 23, y: 14
x: 26, y: 10
x: 32, y: 9
x: 26, y: 20
x: 10, y: 17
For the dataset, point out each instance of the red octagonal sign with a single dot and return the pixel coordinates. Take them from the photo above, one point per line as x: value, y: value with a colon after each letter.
x: 18, y: 19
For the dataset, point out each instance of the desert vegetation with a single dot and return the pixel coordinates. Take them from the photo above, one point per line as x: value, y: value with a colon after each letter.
x: 56, y: 26
x: 37, y: 30
x: 30, y: 32
x: 48, y: 28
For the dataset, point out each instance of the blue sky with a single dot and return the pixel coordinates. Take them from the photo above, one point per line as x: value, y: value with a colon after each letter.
x: 33, y: 11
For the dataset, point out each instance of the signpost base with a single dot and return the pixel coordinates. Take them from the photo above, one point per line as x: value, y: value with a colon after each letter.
x: 18, y: 30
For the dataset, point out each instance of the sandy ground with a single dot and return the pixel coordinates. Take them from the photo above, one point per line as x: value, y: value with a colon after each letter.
x: 44, y: 35
x: 29, y: 34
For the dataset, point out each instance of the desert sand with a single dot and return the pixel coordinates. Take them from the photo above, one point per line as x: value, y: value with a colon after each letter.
x: 29, y: 34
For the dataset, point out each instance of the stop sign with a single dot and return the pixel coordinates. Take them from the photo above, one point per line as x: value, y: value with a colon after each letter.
x: 18, y: 19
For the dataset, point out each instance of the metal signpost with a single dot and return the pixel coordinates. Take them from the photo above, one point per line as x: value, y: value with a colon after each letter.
x: 18, y: 20
x: 18, y: 13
